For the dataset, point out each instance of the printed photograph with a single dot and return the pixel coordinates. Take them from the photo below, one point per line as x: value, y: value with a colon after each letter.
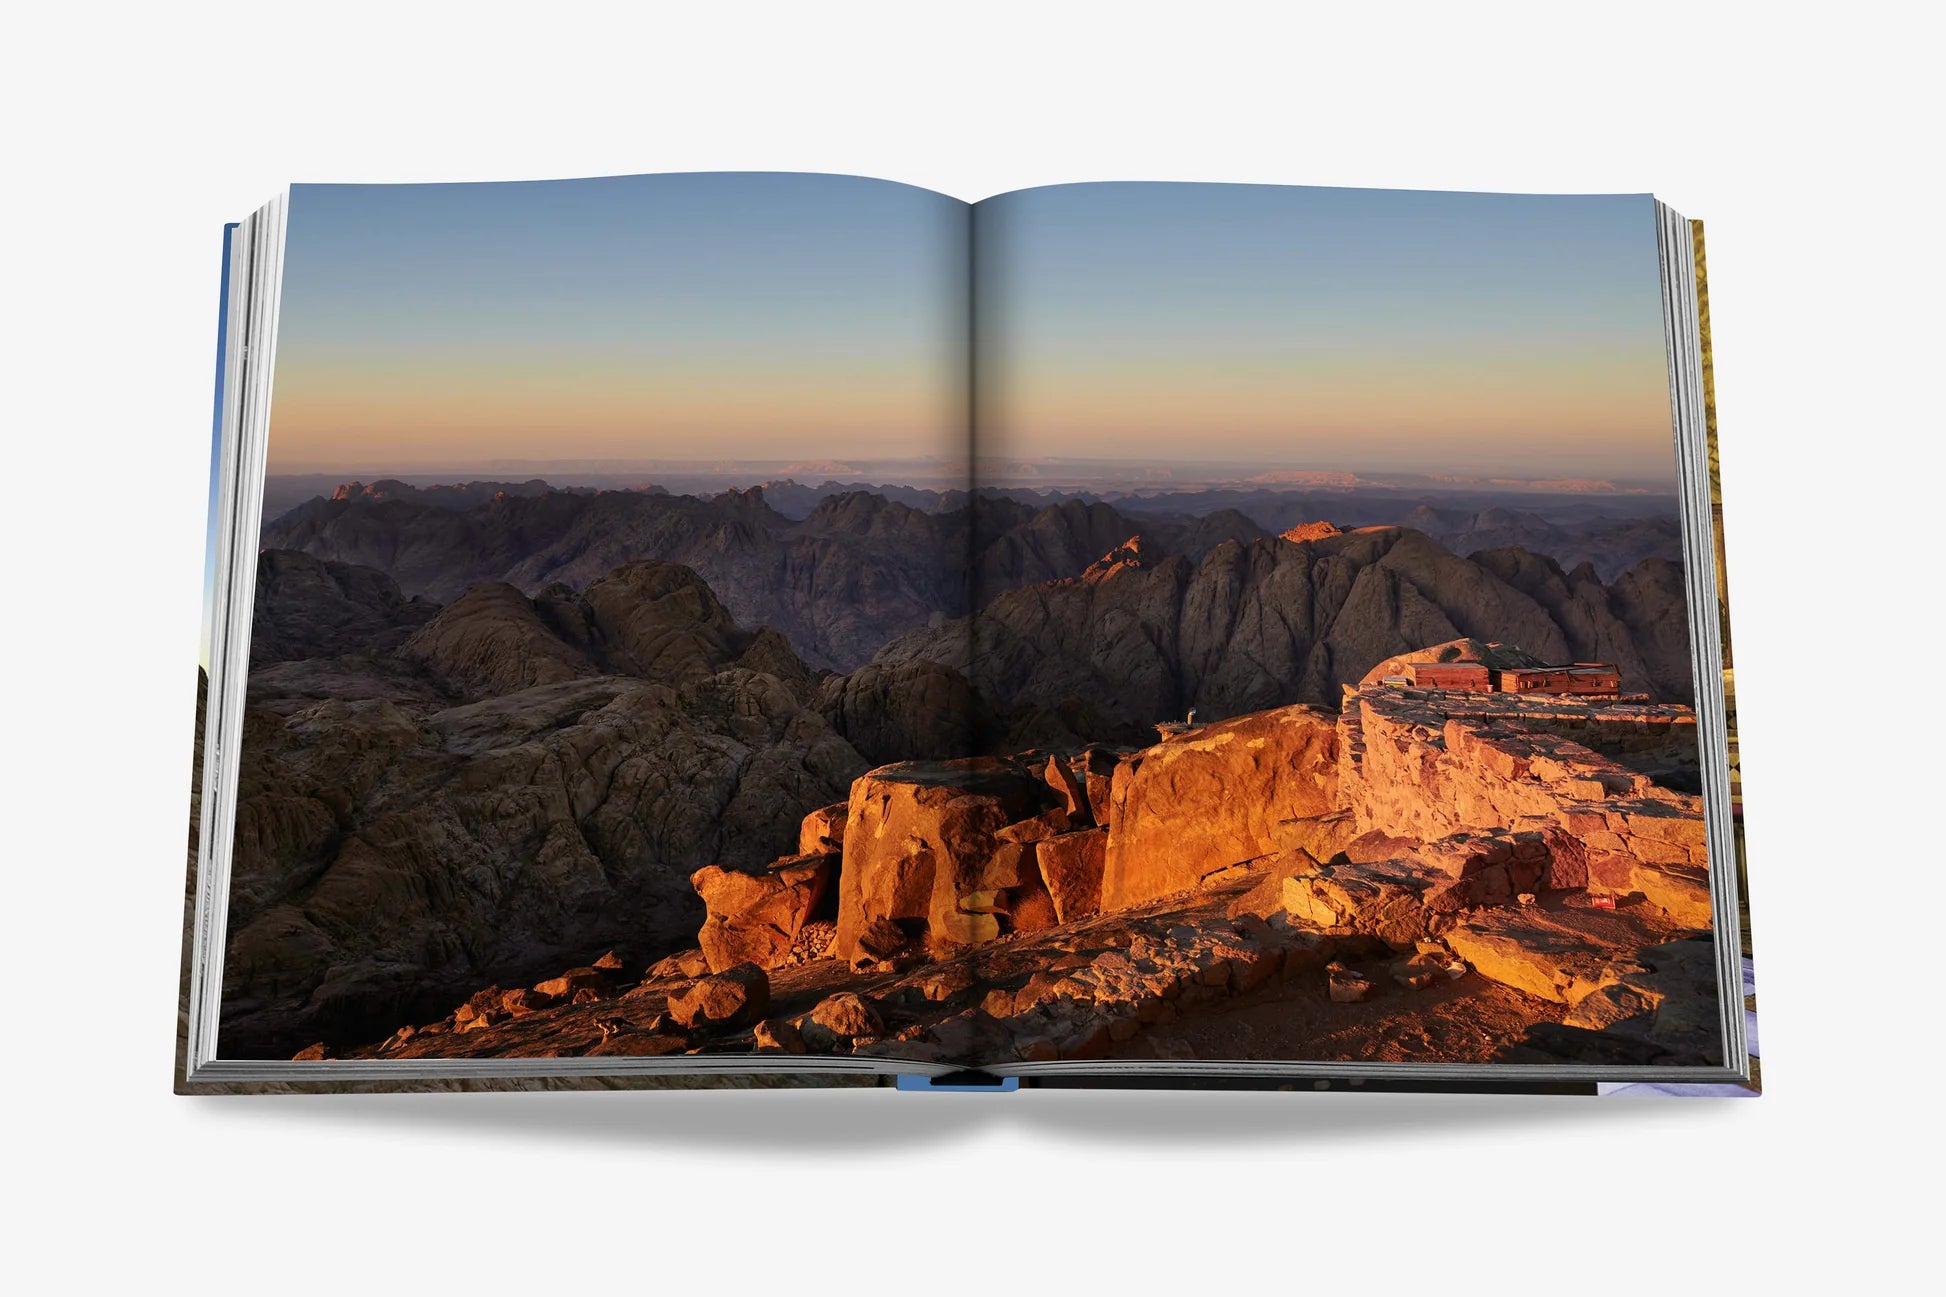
x: 808, y: 615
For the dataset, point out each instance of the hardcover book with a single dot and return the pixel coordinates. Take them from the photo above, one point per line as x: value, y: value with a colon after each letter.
x: 775, y: 629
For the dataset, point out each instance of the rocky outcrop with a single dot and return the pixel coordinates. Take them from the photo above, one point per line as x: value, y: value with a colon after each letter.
x: 393, y: 851
x: 656, y: 621
x: 310, y: 608
x: 490, y: 641
x: 659, y: 620
x: 1178, y: 812
x: 923, y: 852
x: 1056, y: 542
x: 984, y: 916
x: 755, y: 916
x: 1072, y: 866
x: 842, y: 1018
x: 1429, y: 765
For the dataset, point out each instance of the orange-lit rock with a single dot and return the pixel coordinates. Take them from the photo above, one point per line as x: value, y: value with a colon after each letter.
x: 1071, y: 866
x: 921, y: 835
x: 823, y: 830
x: 755, y: 916
x: 1214, y: 797
x: 736, y: 997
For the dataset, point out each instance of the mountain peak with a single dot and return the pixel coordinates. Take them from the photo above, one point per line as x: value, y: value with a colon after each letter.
x: 1319, y: 530
x: 1127, y: 555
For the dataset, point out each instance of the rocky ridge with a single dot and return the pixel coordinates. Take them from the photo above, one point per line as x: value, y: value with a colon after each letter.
x: 1139, y: 638
x: 1073, y: 905
x: 489, y: 790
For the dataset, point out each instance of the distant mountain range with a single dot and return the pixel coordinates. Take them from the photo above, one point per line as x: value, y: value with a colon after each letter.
x: 840, y: 572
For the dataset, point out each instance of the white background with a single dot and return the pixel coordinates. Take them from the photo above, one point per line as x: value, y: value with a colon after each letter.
x: 1809, y: 144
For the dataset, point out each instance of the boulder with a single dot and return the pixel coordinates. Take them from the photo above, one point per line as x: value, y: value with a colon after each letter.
x: 1070, y: 788
x: 682, y: 964
x: 847, y: 1014
x: 841, y: 1017
x: 1267, y: 897
x: 736, y: 997
x: 1680, y: 891
x: 1177, y: 812
x: 755, y: 916
x: 921, y: 835
x: 879, y: 939
x: 523, y: 1001
x: 778, y: 1037
x: 823, y: 830
x: 1095, y: 768
x: 1071, y: 866
x: 575, y: 979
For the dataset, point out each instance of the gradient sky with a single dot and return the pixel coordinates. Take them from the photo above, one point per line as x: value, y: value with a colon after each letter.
x: 1296, y: 328
x: 697, y: 316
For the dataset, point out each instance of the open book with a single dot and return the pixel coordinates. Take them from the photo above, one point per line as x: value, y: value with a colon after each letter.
x: 809, y: 626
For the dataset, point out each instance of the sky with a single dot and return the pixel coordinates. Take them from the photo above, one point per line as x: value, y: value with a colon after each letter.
x: 774, y: 317
x: 688, y: 316
x: 1299, y: 328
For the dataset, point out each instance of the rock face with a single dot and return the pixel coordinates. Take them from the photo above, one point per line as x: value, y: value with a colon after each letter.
x: 1178, y: 811
x: 922, y: 851
x: 903, y: 711
x: 489, y: 641
x: 1428, y: 765
x: 1272, y: 622
x: 504, y: 807
x: 1072, y: 865
x: 823, y: 830
x: 309, y: 608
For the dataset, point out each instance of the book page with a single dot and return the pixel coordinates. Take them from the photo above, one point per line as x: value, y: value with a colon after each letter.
x: 590, y: 504
x: 1331, y: 642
